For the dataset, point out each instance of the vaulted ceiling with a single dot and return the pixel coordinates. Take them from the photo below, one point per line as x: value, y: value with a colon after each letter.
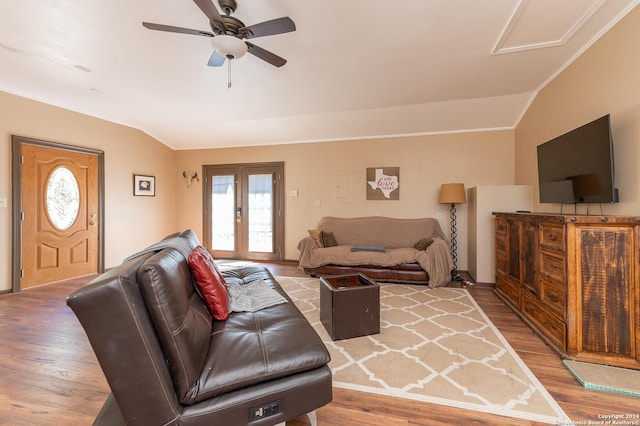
x: 356, y: 68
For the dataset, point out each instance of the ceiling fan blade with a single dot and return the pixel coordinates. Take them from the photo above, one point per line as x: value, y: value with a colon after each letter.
x: 212, y: 13
x: 265, y: 55
x: 172, y: 29
x: 216, y: 59
x: 272, y: 27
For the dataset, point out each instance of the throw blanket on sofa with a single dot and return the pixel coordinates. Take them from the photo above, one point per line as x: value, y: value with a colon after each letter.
x: 253, y: 296
x: 397, y: 236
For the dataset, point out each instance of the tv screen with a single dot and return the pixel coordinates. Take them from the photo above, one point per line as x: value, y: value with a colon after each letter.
x: 577, y: 167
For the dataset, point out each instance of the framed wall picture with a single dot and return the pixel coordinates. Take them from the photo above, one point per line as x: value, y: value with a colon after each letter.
x: 144, y: 185
x: 383, y: 183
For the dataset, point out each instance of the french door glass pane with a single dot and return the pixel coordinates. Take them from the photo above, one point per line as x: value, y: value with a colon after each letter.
x: 223, y: 206
x: 260, y: 213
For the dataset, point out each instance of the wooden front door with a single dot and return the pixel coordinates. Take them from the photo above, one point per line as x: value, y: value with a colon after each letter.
x: 60, y: 214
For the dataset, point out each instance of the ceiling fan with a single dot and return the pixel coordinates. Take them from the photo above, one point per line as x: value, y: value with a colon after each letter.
x: 229, y: 34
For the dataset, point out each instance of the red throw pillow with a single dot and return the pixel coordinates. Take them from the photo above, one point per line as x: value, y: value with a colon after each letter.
x: 210, y: 282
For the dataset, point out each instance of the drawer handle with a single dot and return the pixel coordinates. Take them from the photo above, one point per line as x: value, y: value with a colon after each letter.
x: 553, y: 298
x: 551, y: 325
x: 553, y: 236
x: 529, y: 310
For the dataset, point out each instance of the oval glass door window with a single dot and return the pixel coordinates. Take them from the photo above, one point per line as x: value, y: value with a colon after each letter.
x: 63, y: 198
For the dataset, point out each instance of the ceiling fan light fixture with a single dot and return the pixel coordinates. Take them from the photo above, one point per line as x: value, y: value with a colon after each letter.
x: 229, y: 46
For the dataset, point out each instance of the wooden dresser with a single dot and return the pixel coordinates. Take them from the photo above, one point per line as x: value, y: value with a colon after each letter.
x: 575, y: 280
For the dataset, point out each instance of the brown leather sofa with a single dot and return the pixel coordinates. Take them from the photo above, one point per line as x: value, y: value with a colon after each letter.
x: 169, y: 363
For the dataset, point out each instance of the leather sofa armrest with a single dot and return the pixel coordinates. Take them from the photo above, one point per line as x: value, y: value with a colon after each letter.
x: 112, y: 312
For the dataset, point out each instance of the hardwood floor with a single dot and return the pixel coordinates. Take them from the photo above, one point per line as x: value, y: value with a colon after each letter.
x: 49, y: 375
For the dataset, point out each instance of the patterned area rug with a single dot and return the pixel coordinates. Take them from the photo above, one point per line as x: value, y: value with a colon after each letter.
x: 435, y: 345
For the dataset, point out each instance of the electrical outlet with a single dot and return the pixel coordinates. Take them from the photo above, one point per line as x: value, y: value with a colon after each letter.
x: 440, y: 216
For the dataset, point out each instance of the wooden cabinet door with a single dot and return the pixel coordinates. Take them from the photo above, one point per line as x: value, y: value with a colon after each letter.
x: 513, y: 255
x: 529, y: 259
x: 605, y: 271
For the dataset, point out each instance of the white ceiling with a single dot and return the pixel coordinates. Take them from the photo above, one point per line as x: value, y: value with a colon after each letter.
x: 356, y: 68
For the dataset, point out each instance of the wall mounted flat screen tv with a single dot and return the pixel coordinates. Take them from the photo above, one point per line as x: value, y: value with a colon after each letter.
x: 577, y: 167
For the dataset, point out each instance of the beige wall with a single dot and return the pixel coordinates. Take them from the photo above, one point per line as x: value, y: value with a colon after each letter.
x: 483, y: 158
x: 605, y: 79
x: 425, y: 162
x: 130, y: 222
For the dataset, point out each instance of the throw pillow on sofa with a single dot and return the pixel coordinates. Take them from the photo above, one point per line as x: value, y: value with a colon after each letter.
x: 315, y: 236
x: 210, y: 282
x: 328, y: 239
x: 423, y: 244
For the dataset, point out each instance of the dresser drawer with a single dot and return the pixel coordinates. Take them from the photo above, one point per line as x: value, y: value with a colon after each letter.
x: 554, y: 295
x: 552, y: 268
x: 508, y: 290
x: 552, y: 238
x: 553, y: 328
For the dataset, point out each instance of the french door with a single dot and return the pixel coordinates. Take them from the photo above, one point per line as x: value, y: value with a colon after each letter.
x: 244, y: 211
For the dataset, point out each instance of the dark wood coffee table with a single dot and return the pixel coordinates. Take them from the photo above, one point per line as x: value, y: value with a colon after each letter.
x: 349, y: 306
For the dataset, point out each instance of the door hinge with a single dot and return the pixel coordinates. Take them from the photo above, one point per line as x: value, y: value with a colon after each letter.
x: 21, y: 273
x: 22, y: 216
x: 22, y: 159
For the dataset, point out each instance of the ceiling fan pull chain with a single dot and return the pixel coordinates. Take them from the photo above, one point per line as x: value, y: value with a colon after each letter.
x: 229, y: 74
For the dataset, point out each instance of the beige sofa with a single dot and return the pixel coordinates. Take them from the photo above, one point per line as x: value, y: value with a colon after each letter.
x: 382, y: 248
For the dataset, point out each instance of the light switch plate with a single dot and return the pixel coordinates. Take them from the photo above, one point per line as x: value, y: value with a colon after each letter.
x: 3, y: 201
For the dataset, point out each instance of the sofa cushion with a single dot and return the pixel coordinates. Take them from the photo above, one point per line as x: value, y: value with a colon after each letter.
x: 181, y: 319
x: 254, y: 347
x: 210, y: 282
x: 381, y: 231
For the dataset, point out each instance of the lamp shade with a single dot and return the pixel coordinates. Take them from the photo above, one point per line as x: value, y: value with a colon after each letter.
x: 228, y: 46
x: 452, y: 193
